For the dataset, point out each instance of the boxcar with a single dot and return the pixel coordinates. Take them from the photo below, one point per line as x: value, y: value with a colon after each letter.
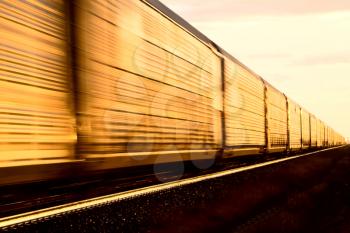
x: 313, y: 131
x: 294, y: 123
x: 326, y: 135
x: 244, y: 105
x: 331, y: 138
x: 305, y: 127
x: 149, y: 91
x: 320, y: 134
x: 276, y: 119
x: 37, y: 118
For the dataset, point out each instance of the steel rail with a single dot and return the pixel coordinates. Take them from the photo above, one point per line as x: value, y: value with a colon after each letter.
x: 34, y: 216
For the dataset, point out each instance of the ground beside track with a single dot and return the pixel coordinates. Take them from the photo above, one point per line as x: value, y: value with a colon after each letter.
x: 308, y: 194
x: 21, y: 198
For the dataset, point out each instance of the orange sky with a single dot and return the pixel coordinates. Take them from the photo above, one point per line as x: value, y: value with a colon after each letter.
x: 301, y: 46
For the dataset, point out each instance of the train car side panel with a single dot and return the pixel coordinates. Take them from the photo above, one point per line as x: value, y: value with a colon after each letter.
x: 244, y: 111
x: 319, y: 133
x: 277, y: 120
x: 305, y: 122
x: 323, y: 134
x: 326, y: 135
x: 37, y: 118
x: 313, y: 129
x: 294, y: 126
x: 148, y: 89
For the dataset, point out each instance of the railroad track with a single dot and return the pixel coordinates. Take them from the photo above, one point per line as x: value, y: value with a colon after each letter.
x: 147, y: 186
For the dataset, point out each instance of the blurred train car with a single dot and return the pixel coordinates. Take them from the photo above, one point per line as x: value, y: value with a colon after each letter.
x: 113, y: 84
x: 244, y: 105
x: 326, y: 131
x: 324, y: 135
x: 340, y: 140
x: 331, y: 137
x: 305, y: 126
x: 320, y: 133
x: 294, y: 123
x: 149, y: 91
x: 276, y: 120
x: 313, y: 131
x: 37, y: 116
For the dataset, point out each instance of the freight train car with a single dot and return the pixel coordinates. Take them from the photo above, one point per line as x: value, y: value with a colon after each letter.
x: 276, y: 115
x: 294, y: 119
x: 37, y: 115
x: 313, y: 131
x: 149, y: 91
x: 324, y: 135
x: 114, y: 84
x: 244, y: 104
x: 320, y: 134
x: 305, y: 127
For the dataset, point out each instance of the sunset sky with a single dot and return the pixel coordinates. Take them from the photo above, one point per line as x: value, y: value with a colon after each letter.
x: 301, y: 46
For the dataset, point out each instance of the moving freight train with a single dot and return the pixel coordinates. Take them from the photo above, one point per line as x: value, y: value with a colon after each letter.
x: 121, y: 83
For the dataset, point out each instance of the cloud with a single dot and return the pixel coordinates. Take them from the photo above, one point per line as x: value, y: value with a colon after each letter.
x: 200, y: 10
x: 269, y: 55
x: 324, y: 59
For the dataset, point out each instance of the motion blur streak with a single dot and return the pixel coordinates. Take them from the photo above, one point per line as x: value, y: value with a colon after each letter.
x: 116, y: 84
x: 37, y: 120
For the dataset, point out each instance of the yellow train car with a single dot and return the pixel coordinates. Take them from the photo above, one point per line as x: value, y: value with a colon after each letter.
x: 305, y: 127
x: 326, y: 137
x: 294, y: 122
x: 149, y: 91
x: 244, y: 109
x: 320, y: 133
x: 276, y: 120
x: 324, y: 134
x: 332, y: 137
x: 37, y: 115
x: 313, y: 131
